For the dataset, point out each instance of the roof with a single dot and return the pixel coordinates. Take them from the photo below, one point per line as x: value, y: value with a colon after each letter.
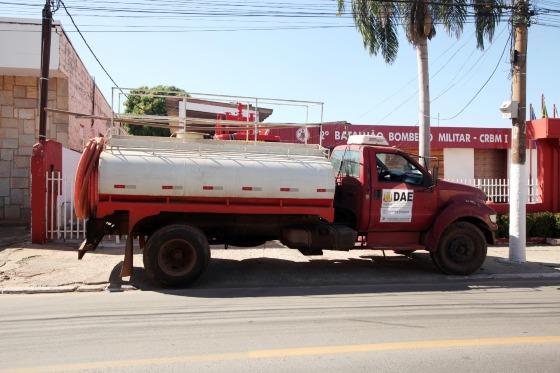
x: 207, y: 109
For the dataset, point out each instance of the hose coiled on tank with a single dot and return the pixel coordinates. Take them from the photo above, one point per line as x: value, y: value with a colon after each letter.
x: 86, y: 189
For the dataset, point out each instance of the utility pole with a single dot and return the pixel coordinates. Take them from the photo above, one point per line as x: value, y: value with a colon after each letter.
x: 518, y: 171
x: 45, y: 65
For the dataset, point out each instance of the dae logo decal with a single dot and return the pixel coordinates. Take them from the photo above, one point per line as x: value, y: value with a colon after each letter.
x: 387, y: 197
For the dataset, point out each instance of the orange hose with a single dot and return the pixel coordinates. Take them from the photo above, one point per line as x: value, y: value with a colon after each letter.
x: 86, y: 190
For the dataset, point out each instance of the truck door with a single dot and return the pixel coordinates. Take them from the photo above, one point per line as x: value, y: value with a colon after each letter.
x: 401, y: 197
x: 349, y: 196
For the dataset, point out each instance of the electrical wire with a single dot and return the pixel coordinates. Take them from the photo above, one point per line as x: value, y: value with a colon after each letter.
x: 91, y: 50
x: 483, y: 85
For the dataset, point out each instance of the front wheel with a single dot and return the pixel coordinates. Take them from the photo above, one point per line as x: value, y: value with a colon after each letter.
x: 461, y: 249
x: 176, y: 255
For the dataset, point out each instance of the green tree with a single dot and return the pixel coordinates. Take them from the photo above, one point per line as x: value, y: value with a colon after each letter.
x: 149, y: 105
x: 378, y: 21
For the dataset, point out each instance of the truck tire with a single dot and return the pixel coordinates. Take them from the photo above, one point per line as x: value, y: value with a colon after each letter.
x: 176, y: 255
x: 461, y: 249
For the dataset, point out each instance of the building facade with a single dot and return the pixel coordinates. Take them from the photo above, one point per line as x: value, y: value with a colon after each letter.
x: 71, y: 88
x: 463, y: 153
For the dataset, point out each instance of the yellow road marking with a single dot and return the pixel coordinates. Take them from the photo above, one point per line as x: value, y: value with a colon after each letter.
x: 287, y: 352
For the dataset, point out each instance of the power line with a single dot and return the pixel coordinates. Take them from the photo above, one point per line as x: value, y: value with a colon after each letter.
x: 484, y: 85
x: 454, y: 81
x: 413, y: 79
x: 410, y: 97
x: 91, y: 50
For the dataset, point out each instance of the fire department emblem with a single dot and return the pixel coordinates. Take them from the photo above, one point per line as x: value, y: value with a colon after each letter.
x: 302, y: 134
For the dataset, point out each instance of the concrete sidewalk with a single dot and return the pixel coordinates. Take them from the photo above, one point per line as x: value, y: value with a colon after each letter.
x: 28, y: 268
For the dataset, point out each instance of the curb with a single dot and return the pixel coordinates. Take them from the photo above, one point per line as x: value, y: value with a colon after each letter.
x: 119, y: 288
x: 85, y: 288
x: 39, y: 290
x: 507, y: 276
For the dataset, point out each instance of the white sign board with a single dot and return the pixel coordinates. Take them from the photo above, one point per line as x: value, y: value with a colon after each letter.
x: 396, y: 205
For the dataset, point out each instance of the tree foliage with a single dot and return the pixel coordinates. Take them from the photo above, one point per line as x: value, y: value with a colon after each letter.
x: 149, y: 105
x: 378, y: 21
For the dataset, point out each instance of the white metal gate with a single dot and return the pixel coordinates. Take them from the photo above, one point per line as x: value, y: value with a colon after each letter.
x: 61, y: 221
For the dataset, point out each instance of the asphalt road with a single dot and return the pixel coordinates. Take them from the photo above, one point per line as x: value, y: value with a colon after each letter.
x: 446, y: 327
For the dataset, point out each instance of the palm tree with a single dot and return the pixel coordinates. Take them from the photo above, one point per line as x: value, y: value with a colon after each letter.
x: 378, y: 22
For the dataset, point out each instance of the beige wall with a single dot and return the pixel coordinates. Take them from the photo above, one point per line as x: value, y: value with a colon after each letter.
x: 79, y: 92
x: 19, y: 124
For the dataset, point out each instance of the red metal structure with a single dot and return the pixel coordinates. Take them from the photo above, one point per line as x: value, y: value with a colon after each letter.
x: 262, y: 135
x: 546, y: 133
x: 47, y: 156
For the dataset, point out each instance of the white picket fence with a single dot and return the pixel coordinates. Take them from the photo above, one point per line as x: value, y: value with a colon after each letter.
x: 64, y: 225
x: 497, y: 190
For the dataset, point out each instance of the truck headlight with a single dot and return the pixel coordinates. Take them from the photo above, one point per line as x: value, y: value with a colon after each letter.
x: 493, y: 218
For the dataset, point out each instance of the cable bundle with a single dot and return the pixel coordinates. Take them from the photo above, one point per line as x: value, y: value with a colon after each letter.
x: 86, y: 189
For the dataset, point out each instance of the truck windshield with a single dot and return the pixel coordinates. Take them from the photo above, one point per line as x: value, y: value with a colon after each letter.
x: 346, y: 162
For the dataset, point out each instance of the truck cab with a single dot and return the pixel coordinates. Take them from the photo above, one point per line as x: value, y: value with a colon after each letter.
x: 394, y: 203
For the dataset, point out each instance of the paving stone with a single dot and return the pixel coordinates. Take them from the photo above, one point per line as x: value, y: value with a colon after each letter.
x: 62, y: 102
x: 7, y: 112
x: 29, y: 126
x: 11, y: 133
x: 25, y: 150
x: 5, y: 168
x: 12, y: 212
x: 26, y: 80
x: 6, y: 98
x: 19, y: 182
x: 62, y: 88
x: 9, y: 123
x: 9, y: 82
x: 20, y: 172
x: 32, y: 92
x: 25, y: 103
x: 25, y: 214
x: 21, y: 161
x: 8, y: 143
x: 6, y: 154
x: 16, y: 196
x: 4, y: 188
x: 19, y: 91
x: 27, y: 140
x: 25, y: 113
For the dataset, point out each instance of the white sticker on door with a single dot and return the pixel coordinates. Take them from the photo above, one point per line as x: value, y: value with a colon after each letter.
x: 396, y: 206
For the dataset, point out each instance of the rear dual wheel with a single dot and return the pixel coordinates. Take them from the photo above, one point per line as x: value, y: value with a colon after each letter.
x: 176, y: 255
x: 461, y: 249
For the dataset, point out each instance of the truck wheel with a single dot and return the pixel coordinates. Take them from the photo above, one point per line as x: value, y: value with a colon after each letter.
x: 176, y: 255
x: 461, y: 249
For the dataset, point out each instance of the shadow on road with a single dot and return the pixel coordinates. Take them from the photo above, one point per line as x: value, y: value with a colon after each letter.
x: 267, y: 277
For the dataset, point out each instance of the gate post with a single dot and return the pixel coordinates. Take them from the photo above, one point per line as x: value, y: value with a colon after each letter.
x: 47, y: 156
x: 547, y: 134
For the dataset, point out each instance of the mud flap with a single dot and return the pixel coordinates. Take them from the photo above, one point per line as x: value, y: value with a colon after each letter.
x: 126, y: 269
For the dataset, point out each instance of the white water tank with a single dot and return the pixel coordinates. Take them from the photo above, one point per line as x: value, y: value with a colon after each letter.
x: 155, y: 166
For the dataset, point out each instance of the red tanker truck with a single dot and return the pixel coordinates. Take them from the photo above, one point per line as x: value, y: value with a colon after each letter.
x: 179, y: 196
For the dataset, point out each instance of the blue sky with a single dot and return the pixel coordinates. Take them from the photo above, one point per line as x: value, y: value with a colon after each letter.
x: 328, y: 65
